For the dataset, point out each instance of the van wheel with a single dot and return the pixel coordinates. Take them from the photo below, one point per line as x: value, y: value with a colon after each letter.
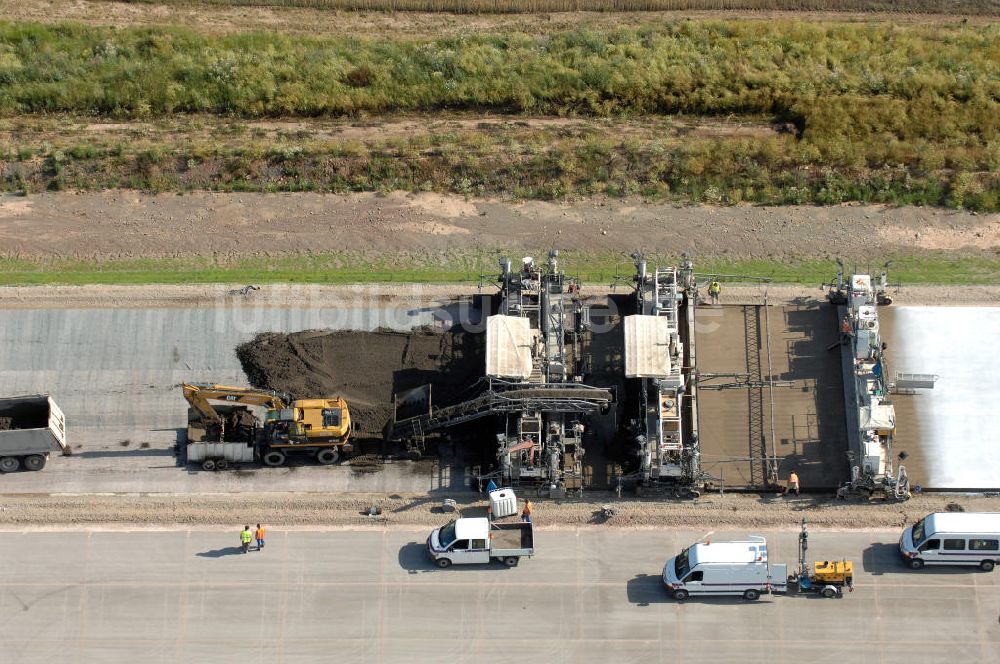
x: 34, y: 462
x: 510, y: 561
x: 751, y: 594
x: 274, y: 459
x: 916, y: 563
x: 828, y: 593
x: 680, y: 594
x: 208, y: 464
x: 221, y: 464
x: 328, y: 456
x: 9, y: 464
x: 986, y: 565
x: 443, y: 563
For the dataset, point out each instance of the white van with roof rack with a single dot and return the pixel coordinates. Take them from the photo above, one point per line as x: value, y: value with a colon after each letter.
x: 739, y: 569
x: 953, y: 538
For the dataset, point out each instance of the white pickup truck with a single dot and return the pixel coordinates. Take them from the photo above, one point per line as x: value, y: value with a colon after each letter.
x: 479, y: 540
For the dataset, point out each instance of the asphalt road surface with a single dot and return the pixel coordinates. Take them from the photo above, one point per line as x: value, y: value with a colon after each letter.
x: 590, y: 595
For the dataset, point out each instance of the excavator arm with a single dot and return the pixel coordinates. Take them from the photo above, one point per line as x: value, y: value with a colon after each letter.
x: 199, y: 396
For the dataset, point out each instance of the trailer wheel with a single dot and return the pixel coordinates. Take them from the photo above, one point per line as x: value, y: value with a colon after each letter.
x: 986, y: 565
x: 510, y: 561
x: 9, y: 464
x: 828, y: 592
x: 221, y: 464
x: 274, y: 458
x: 34, y: 462
x: 328, y: 456
x: 680, y: 594
x: 916, y: 563
x: 751, y: 594
x: 443, y: 563
x: 208, y: 464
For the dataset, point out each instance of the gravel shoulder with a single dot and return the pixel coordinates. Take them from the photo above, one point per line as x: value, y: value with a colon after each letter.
x: 407, y: 296
x: 730, y: 511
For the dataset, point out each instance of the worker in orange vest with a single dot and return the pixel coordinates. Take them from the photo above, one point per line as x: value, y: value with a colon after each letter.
x: 526, y: 512
x: 260, y: 537
x: 793, y: 483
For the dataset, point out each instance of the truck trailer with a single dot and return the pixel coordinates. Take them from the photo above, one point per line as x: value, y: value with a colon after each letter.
x: 31, y: 426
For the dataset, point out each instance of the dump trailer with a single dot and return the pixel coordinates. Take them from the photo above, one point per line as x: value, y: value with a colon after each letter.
x: 31, y: 427
x: 480, y: 540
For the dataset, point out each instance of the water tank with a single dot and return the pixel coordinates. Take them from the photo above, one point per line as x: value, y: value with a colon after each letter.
x: 503, y: 503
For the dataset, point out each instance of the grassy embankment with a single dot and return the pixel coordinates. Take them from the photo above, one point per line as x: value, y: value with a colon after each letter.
x: 875, y: 112
x: 593, y: 269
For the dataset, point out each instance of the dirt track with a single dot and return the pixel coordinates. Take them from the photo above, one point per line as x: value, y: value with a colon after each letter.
x: 423, y: 229
x: 216, y: 18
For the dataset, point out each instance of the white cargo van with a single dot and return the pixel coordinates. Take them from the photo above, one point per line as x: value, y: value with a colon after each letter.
x: 953, y: 538
x: 724, y: 568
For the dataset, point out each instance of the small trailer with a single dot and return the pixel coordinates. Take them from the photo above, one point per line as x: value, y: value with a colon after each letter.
x: 31, y: 427
x: 472, y: 541
x: 827, y: 577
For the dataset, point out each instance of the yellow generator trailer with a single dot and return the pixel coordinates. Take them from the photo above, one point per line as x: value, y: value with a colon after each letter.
x: 828, y: 577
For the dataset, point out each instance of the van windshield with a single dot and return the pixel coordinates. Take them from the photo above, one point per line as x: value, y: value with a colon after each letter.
x: 447, y: 535
x: 681, y: 568
x: 918, y: 532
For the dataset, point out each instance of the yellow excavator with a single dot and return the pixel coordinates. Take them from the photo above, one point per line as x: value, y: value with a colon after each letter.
x: 222, y: 434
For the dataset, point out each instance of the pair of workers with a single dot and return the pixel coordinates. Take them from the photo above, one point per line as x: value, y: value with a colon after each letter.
x: 246, y: 536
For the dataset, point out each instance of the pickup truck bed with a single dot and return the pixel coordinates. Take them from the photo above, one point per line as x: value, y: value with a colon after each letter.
x: 512, y: 539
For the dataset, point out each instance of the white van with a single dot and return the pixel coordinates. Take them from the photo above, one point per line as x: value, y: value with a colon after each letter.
x: 953, y: 538
x: 724, y: 568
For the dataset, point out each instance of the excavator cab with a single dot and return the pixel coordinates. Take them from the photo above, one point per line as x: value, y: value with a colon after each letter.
x: 309, y: 421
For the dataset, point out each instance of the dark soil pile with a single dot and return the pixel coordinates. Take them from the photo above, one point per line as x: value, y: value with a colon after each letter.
x: 365, y: 368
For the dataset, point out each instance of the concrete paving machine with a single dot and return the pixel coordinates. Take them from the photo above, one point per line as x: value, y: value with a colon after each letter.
x: 533, y: 383
x: 827, y: 578
x: 218, y: 435
x: 871, y: 415
x: 659, y: 359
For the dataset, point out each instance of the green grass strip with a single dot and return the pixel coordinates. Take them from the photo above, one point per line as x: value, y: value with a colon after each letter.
x: 592, y: 269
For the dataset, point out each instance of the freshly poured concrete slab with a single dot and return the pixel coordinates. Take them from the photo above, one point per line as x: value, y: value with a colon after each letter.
x: 950, y: 432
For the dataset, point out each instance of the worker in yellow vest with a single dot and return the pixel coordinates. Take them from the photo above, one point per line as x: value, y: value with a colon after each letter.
x: 713, y: 291
x: 245, y: 537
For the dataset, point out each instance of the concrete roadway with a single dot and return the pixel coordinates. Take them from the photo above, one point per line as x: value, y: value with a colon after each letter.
x: 591, y: 595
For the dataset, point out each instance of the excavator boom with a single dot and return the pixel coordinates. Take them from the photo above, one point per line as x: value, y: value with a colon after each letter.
x: 199, y: 396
